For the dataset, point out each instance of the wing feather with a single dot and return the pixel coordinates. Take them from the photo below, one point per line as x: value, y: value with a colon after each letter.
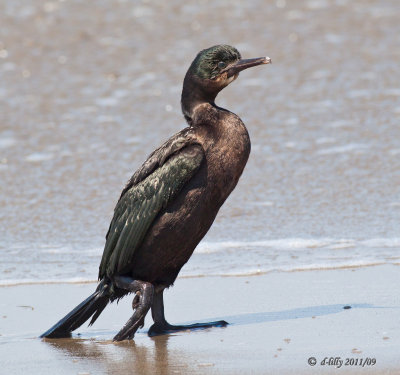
x: 139, y: 206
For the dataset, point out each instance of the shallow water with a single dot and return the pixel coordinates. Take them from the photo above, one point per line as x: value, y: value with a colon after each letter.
x: 89, y: 90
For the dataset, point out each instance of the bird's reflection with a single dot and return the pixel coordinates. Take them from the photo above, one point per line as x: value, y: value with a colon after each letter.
x: 123, y: 357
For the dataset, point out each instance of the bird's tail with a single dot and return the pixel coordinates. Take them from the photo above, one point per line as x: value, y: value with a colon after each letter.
x: 91, y: 306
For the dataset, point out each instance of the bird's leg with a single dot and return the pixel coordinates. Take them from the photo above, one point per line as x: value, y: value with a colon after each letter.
x: 162, y: 327
x: 140, y: 304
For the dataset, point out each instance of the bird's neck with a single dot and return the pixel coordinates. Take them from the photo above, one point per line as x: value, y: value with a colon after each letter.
x: 193, y: 95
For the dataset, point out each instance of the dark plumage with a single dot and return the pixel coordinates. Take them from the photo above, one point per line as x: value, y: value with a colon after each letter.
x: 171, y: 201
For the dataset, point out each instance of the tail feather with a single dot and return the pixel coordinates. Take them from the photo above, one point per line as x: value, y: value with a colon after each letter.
x: 101, y: 307
x: 93, y: 305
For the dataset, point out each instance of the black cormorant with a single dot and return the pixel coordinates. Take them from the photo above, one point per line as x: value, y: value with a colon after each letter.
x: 170, y: 203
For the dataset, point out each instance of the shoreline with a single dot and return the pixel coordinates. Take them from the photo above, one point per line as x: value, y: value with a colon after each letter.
x: 277, y: 321
x: 14, y: 283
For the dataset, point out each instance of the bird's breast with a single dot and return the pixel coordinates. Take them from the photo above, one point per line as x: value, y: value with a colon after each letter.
x: 226, y: 157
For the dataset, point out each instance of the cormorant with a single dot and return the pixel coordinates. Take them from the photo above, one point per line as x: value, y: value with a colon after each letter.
x: 171, y: 201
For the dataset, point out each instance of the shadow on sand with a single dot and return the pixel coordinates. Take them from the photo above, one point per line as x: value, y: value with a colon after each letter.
x: 304, y: 312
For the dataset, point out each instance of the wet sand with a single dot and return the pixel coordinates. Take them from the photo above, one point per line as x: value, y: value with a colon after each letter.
x: 278, y: 321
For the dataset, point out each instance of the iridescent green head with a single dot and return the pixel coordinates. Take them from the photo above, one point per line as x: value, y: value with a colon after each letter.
x: 216, y: 67
x: 210, y: 62
x: 213, y: 69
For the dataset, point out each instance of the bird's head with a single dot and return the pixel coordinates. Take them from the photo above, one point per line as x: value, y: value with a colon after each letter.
x: 213, y: 69
x: 216, y: 67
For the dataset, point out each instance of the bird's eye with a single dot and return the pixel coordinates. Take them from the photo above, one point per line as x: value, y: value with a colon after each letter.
x: 221, y: 65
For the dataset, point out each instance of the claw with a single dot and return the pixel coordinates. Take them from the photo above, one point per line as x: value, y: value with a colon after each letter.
x: 136, y: 301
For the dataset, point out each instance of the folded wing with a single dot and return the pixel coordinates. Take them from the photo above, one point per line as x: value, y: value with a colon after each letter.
x: 140, y: 204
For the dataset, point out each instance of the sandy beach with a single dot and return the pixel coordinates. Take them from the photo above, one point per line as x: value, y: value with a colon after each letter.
x: 277, y: 322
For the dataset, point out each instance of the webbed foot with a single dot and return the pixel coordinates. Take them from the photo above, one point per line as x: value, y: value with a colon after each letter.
x: 158, y: 329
